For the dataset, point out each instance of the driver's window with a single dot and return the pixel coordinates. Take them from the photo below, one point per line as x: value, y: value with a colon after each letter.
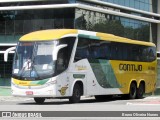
x: 62, y: 60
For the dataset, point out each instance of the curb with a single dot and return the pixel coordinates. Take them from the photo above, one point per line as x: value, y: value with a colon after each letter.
x: 5, y: 91
x: 6, y: 87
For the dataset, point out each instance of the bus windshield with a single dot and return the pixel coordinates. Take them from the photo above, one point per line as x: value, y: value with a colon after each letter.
x: 33, y: 60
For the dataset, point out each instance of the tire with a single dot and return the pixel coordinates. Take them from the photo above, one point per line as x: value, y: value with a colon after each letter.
x: 140, y: 91
x: 76, y: 94
x: 132, y: 91
x: 39, y: 100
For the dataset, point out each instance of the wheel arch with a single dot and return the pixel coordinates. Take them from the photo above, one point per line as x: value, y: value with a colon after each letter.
x: 80, y: 82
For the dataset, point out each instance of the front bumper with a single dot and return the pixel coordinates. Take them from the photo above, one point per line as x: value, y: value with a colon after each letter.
x: 49, y: 91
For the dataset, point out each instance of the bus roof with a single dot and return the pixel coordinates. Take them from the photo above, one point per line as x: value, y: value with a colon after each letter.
x: 110, y: 37
x: 54, y: 34
x: 50, y: 34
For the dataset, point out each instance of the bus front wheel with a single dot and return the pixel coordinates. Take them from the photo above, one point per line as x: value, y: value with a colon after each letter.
x: 75, y: 98
x: 39, y: 100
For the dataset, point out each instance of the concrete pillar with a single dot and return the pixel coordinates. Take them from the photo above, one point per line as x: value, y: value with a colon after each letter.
x: 158, y: 47
x: 158, y: 38
x: 158, y: 34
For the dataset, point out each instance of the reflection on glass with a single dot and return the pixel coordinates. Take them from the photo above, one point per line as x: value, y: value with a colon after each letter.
x: 34, y: 60
x: 146, y: 5
x: 116, y: 25
x: 14, y: 24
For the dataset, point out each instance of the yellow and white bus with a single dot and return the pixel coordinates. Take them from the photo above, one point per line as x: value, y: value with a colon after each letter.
x: 70, y: 63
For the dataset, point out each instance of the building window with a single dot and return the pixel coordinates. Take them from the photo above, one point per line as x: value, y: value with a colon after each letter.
x: 120, y: 26
x: 14, y: 24
x: 146, y: 5
x: 6, y: 70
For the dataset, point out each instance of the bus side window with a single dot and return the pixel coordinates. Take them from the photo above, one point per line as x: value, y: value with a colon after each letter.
x: 82, y: 50
x: 114, y: 52
x: 125, y: 53
x: 151, y: 54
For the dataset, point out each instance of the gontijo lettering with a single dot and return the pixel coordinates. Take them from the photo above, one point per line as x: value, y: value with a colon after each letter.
x: 130, y: 67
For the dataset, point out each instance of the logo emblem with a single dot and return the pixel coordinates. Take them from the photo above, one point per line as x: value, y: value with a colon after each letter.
x: 63, y: 90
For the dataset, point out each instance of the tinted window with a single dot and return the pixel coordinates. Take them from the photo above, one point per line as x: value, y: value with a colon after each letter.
x: 98, y: 49
x: 64, y: 54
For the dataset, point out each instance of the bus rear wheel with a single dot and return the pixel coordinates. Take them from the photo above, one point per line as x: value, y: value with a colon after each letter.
x: 133, y: 91
x: 140, y: 91
x: 39, y: 100
x: 76, y: 94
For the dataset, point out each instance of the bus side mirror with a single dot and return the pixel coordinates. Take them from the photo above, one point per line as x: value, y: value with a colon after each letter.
x: 8, y: 51
x: 56, y: 50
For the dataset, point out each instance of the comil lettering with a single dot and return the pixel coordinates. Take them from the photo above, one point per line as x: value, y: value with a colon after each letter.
x: 130, y: 67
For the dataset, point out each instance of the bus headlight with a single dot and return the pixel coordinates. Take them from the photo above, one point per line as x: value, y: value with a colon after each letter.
x: 50, y: 83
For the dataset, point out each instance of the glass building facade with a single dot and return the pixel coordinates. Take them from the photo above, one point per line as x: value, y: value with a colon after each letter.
x: 16, y: 22
x: 145, y: 5
x: 120, y: 26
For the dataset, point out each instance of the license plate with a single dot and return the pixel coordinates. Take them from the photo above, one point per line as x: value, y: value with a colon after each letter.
x: 29, y: 92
